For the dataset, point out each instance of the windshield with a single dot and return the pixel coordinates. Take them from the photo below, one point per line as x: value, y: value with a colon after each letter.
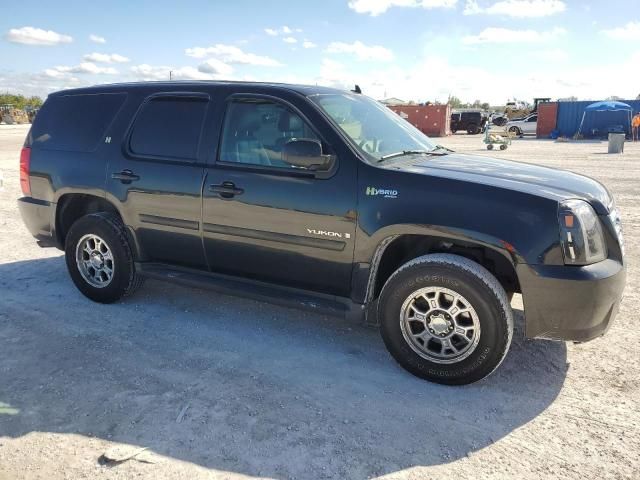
x: 373, y: 128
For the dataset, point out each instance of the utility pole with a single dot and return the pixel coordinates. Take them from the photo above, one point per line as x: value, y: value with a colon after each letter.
x: 170, y: 75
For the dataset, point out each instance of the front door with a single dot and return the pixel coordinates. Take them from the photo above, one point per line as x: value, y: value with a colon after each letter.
x: 269, y: 220
x: 158, y: 179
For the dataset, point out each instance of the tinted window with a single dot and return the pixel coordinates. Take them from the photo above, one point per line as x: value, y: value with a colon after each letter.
x: 255, y: 131
x: 169, y: 127
x: 75, y: 123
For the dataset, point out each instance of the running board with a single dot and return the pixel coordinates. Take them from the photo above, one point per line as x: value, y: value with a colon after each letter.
x: 255, y: 290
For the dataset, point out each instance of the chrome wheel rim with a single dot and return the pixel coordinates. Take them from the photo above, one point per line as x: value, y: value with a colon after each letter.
x: 95, y: 261
x: 440, y: 325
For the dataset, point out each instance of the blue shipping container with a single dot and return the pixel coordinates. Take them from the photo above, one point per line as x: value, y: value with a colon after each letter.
x: 570, y: 116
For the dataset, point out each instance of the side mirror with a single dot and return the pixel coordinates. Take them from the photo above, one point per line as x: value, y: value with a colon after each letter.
x: 306, y: 153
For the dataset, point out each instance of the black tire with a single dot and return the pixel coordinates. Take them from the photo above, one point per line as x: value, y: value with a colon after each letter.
x: 481, y: 289
x: 453, y: 131
x: 490, y: 147
x: 515, y: 130
x: 109, y: 227
x: 473, y: 129
x: 503, y: 147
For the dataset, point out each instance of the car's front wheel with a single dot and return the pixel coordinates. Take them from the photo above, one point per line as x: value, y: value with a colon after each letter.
x: 446, y: 319
x: 99, y: 258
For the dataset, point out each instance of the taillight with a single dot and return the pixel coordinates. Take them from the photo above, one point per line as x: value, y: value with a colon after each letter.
x: 25, y: 160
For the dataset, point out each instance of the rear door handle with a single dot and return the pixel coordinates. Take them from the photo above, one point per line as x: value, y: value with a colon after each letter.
x: 226, y: 189
x: 125, y: 176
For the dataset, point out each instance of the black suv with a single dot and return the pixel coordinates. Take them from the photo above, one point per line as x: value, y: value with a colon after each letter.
x: 472, y: 122
x: 321, y: 198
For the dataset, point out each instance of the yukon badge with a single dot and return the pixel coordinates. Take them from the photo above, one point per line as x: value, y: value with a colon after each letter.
x: 326, y: 233
x: 385, y: 192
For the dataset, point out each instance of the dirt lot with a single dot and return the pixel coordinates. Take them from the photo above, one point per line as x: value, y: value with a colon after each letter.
x: 220, y: 387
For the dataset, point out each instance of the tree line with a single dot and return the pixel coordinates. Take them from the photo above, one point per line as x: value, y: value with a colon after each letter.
x: 20, y: 101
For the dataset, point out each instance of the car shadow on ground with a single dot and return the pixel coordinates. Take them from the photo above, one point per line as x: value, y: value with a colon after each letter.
x: 240, y: 386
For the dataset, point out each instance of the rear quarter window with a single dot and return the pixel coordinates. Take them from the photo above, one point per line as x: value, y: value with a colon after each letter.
x: 75, y: 123
x: 169, y: 127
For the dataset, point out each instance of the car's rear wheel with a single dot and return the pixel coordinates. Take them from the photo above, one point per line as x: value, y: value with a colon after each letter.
x: 446, y: 319
x: 515, y: 131
x: 473, y: 129
x: 99, y: 258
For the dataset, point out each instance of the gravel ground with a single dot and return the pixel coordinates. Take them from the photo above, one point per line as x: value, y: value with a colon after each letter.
x: 220, y: 387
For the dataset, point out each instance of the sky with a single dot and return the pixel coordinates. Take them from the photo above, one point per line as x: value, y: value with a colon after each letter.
x: 488, y: 50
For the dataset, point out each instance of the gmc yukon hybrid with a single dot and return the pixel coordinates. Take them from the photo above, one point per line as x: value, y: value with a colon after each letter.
x: 322, y: 198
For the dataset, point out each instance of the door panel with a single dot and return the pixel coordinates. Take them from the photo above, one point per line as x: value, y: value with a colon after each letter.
x: 158, y: 179
x: 282, y: 225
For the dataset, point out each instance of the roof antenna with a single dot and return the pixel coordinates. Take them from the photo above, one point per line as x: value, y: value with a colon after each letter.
x: 357, y: 89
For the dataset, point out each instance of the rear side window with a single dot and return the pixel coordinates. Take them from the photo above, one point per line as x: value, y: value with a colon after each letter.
x: 75, y: 123
x: 169, y: 127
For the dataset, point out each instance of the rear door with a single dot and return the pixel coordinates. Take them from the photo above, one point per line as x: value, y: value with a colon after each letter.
x: 268, y: 220
x: 156, y: 176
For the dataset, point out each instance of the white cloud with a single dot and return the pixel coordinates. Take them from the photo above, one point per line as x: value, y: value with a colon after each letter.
x: 552, y: 55
x: 105, y: 58
x: 216, y: 67
x: 517, y: 8
x: 232, y: 54
x: 97, y: 39
x: 84, y: 67
x: 506, y: 35
x: 376, y: 7
x: 361, y: 51
x: 208, y: 70
x: 284, y: 30
x: 631, y: 31
x: 155, y: 72
x: 149, y: 73
x: 309, y: 44
x: 36, y: 36
x: 40, y: 84
x: 289, y: 40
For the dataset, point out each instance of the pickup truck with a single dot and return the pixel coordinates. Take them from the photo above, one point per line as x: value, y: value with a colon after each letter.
x: 320, y: 198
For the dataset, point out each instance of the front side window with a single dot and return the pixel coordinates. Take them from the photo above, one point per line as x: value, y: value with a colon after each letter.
x: 169, y: 127
x: 371, y: 126
x: 255, y: 132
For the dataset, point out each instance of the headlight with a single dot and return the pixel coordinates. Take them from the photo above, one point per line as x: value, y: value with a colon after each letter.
x: 580, y: 233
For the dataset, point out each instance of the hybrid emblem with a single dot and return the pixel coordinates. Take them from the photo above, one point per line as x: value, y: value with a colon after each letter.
x: 385, y: 192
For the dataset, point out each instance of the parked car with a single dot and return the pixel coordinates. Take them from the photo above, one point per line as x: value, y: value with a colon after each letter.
x: 326, y: 199
x: 498, y: 119
x: 471, y: 122
x: 523, y: 126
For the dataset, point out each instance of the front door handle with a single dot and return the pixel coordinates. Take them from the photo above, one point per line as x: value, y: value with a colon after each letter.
x: 226, y: 189
x: 125, y: 176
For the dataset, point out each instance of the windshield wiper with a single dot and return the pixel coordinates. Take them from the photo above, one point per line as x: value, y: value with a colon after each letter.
x: 411, y: 152
x: 442, y: 147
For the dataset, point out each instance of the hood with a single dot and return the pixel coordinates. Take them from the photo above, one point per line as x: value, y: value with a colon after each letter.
x: 542, y: 181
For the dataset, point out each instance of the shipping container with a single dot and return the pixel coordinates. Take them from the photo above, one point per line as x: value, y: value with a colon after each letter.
x: 432, y: 120
x: 570, y: 115
x: 547, y: 116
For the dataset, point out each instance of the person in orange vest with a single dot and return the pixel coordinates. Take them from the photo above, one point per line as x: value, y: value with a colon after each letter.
x: 635, y: 126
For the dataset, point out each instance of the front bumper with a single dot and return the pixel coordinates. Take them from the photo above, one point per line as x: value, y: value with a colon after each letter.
x: 38, y: 216
x: 571, y: 303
